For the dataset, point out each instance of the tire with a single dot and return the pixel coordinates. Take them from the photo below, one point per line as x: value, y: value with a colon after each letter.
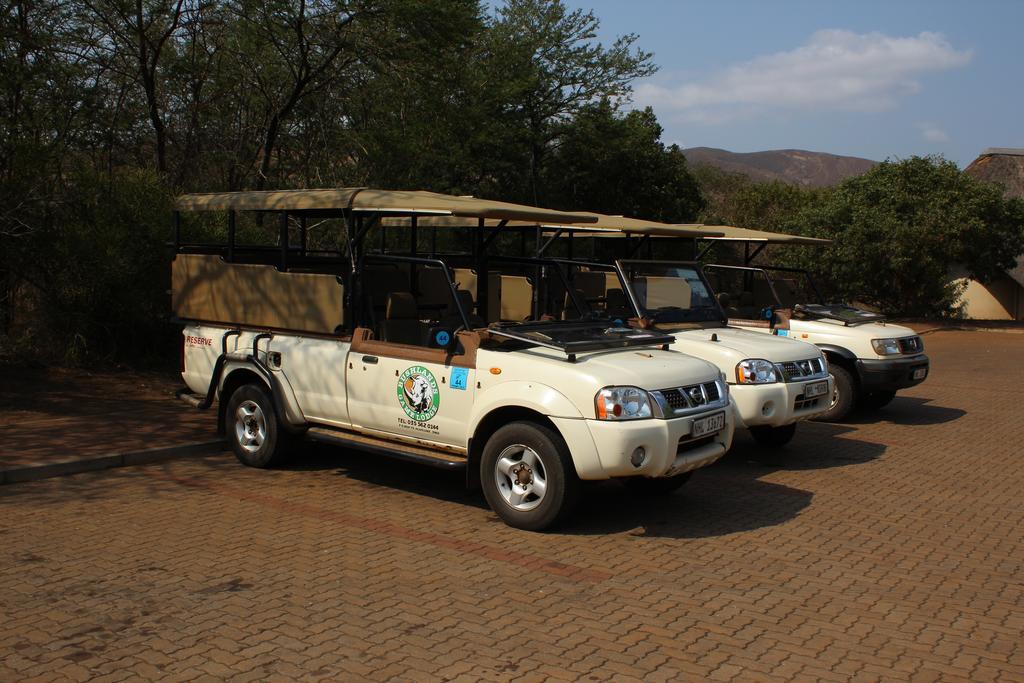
x: 773, y: 437
x: 876, y: 400
x: 844, y: 396
x: 252, y: 427
x: 515, y: 459
x: 658, y: 486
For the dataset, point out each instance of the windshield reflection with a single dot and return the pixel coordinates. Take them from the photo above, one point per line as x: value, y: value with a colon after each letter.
x: 671, y: 292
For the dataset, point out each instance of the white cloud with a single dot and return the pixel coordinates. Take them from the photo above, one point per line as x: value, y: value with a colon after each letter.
x: 836, y: 70
x: 933, y: 133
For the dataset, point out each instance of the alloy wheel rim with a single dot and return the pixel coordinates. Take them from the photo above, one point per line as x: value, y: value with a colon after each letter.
x: 521, y: 478
x: 250, y: 426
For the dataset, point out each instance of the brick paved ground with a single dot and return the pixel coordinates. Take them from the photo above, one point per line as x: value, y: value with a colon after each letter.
x: 57, y: 415
x: 883, y: 549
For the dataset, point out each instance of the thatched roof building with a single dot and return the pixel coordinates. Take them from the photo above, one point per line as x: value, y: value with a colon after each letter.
x: 1003, y: 166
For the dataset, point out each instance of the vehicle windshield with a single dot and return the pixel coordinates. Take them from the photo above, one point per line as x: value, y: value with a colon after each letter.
x: 746, y: 292
x: 793, y: 287
x: 670, y: 292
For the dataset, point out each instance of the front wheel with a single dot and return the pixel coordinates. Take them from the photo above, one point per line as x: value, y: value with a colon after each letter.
x: 844, y: 395
x: 528, y: 477
x: 256, y: 437
x: 773, y: 437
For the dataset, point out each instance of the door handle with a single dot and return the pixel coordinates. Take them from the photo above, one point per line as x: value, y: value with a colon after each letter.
x: 372, y: 360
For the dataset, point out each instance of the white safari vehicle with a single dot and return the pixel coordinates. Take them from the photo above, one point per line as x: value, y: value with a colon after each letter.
x: 870, y: 358
x: 392, y: 354
x: 774, y: 382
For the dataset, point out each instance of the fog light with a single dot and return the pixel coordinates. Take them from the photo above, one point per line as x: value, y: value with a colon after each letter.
x: 638, y: 457
x: 768, y: 408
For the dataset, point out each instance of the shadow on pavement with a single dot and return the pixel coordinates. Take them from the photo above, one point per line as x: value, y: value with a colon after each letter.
x: 908, y: 410
x: 383, y: 471
x: 726, y: 498
x: 157, y: 479
x: 817, y: 445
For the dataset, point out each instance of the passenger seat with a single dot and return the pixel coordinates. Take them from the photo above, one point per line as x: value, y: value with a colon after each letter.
x: 725, y: 301
x: 401, y: 321
x: 616, y: 304
x: 452, y: 318
x: 746, y: 309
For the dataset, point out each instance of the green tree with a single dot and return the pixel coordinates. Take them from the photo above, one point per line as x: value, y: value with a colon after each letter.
x: 544, y: 66
x: 616, y: 163
x: 900, y: 229
x: 97, y: 269
x: 736, y: 199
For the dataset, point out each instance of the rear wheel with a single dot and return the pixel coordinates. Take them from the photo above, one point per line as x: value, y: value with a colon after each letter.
x: 844, y: 395
x: 773, y: 437
x: 658, y: 486
x: 876, y: 400
x: 528, y: 477
x: 256, y: 437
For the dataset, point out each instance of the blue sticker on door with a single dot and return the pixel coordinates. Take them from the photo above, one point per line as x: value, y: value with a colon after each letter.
x: 458, y: 378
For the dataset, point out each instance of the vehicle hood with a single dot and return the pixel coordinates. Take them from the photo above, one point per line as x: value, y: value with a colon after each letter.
x: 644, y: 367
x: 836, y: 314
x: 734, y: 345
x: 880, y: 330
x: 854, y: 338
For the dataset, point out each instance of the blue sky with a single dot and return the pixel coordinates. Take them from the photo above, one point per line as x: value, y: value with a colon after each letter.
x: 863, y: 78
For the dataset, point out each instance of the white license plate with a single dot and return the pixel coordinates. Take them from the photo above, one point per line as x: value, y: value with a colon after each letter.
x: 708, y: 425
x: 920, y: 373
x: 815, y: 389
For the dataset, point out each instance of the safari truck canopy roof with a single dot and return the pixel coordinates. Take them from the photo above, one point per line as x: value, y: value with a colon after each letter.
x: 616, y: 225
x: 374, y: 201
x: 734, y: 234
x: 598, y: 224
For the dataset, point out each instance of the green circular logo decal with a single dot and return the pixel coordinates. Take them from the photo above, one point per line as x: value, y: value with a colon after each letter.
x: 418, y: 394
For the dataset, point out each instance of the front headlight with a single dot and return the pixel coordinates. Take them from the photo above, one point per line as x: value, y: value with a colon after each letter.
x: 886, y: 347
x: 756, y: 371
x: 622, y: 403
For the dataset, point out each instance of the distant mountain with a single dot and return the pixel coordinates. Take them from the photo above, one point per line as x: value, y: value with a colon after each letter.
x: 814, y: 169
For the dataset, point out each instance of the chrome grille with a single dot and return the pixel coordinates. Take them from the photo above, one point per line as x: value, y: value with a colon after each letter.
x: 910, y: 345
x: 675, y: 399
x: 691, y: 397
x: 802, y: 369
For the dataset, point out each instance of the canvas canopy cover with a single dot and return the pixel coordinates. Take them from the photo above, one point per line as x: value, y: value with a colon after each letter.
x: 734, y: 234
x: 365, y: 200
x: 601, y: 225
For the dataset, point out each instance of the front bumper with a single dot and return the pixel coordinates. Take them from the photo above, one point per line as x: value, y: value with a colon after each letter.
x: 890, y: 375
x: 777, y: 404
x: 669, y: 447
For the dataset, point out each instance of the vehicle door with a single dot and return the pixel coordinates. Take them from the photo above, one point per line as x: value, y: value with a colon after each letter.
x: 314, y: 367
x: 412, y: 392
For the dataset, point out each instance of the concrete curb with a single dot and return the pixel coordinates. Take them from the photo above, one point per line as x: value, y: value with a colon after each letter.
x: 970, y: 328
x: 45, y: 470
